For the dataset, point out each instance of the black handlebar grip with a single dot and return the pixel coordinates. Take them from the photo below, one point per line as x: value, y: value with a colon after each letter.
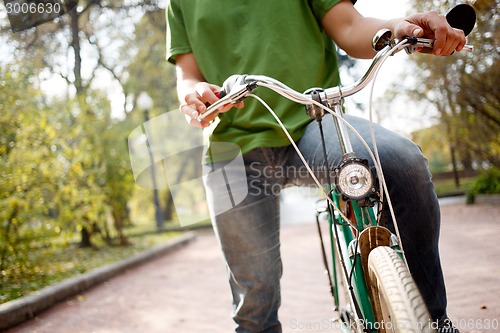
x: 462, y: 17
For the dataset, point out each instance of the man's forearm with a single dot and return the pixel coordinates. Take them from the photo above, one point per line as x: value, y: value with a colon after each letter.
x: 353, y: 32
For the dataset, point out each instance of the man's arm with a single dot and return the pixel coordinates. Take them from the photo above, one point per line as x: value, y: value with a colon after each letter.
x: 353, y: 32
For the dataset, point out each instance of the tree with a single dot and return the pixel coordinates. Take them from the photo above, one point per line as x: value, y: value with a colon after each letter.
x: 150, y: 72
x: 91, y: 190
x: 463, y: 88
x: 93, y: 41
x: 28, y: 167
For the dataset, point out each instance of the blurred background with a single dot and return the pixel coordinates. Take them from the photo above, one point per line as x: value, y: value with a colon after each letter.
x: 70, y: 95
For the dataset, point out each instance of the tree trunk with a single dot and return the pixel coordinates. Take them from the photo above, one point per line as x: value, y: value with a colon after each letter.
x: 85, y: 241
x: 77, y: 72
x: 169, y: 207
x: 119, y: 223
x: 454, y: 166
x: 75, y: 45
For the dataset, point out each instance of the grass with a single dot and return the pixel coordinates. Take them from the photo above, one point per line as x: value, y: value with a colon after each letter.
x: 447, y: 187
x: 49, y: 265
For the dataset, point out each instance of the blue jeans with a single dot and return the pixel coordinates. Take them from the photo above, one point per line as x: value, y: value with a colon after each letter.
x: 249, y: 233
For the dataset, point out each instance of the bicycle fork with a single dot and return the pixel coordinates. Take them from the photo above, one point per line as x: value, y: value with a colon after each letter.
x: 342, y: 241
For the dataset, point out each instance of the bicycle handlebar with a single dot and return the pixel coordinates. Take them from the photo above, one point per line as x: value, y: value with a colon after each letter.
x: 237, y: 87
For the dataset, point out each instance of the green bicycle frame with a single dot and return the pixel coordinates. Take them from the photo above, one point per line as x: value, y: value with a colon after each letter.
x: 345, y: 238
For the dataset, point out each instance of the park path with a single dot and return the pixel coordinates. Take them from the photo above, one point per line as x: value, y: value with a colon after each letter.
x: 186, y: 291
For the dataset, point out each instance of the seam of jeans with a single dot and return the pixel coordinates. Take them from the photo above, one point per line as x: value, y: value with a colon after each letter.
x: 266, y: 152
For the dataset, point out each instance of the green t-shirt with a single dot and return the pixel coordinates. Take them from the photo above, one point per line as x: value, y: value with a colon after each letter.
x: 281, y: 39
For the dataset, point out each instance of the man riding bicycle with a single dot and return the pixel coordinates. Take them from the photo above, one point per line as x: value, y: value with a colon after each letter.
x: 295, y: 42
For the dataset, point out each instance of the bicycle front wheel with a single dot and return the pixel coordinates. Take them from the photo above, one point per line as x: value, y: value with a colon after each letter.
x: 398, y: 305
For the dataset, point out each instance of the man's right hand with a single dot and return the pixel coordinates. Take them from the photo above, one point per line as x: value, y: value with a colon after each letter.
x: 195, y: 94
x: 195, y: 103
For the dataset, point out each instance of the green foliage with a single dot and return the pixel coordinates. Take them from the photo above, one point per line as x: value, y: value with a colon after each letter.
x: 431, y: 140
x: 463, y: 88
x: 27, y: 166
x: 94, y: 185
x: 149, y: 71
x: 64, y: 168
x: 488, y: 182
x: 61, y: 173
x: 64, y: 161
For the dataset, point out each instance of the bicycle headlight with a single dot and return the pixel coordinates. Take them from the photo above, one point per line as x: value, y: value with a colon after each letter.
x: 354, y: 179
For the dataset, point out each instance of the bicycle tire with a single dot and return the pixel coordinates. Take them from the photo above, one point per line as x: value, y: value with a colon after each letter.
x: 398, y: 305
